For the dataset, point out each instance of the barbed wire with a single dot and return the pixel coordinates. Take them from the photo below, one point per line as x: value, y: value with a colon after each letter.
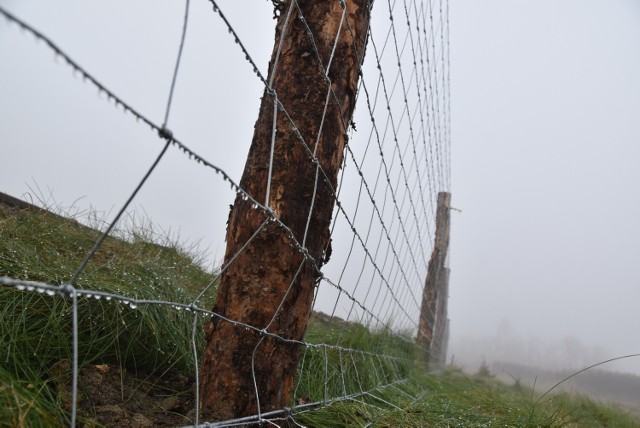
x: 407, y: 249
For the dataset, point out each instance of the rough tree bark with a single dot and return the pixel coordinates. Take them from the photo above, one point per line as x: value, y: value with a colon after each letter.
x: 435, y: 269
x: 270, y: 271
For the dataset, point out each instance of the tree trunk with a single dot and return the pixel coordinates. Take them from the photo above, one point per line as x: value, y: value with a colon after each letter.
x: 270, y: 284
x: 435, y: 269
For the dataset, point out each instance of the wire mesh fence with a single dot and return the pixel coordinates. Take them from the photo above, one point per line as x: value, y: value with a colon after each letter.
x: 361, y: 264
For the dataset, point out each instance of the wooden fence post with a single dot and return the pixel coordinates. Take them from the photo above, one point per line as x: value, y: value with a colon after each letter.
x: 435, y: 269
x: 445, y: 342
x: 270, y: 284
x: 438, y: 347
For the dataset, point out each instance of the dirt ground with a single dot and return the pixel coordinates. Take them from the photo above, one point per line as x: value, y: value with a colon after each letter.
x: 108, y: 396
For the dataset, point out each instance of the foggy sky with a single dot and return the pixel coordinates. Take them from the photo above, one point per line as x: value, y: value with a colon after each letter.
x: 545, y: 101
x: 546, y: 151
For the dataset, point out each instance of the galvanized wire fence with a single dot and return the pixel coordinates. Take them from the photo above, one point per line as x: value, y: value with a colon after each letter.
x: 397, y: 161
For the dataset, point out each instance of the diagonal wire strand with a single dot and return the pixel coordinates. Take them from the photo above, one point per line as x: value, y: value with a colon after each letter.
x: 175, y: 71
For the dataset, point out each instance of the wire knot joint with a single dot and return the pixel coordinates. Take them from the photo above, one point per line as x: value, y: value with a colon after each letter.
x: 165, y: 133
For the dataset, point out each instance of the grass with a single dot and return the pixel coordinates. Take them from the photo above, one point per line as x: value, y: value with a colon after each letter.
x: 452, y: 398
x: 327, y: 372
x: 35, y: 333
x: 35, y: 329
x: 26, y: 403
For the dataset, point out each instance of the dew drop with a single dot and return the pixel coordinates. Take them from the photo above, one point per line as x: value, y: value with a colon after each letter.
x: 133, y: 305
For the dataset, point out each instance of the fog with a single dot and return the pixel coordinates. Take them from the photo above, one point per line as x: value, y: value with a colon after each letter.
x: 546, y: 147
x: 545, y: 98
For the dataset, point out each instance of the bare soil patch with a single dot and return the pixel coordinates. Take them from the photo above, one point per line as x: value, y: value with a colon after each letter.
x: 111, y: 396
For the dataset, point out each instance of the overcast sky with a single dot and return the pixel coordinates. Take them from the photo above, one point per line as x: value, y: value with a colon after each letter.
x: 546, y: 168
x: 545, y: 99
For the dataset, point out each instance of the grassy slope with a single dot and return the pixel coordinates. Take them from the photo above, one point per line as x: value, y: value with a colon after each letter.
x: 35, y: 329
x: 455, y: 399
x: 35, y: 334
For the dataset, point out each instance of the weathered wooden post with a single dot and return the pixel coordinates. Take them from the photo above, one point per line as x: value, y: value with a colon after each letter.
x: 435, y: 270
x: 445, y: 342
x: 438, y: 346
x: 269, y: 273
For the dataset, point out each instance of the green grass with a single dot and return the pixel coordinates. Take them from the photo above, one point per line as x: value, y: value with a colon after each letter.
x: 35, y: 329
x: 26, y: 402
x: 326, y: 372
x: 454, y: 399
x: 35, y: 348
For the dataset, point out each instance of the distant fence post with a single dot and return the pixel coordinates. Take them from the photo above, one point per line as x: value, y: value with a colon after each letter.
x: 439, y: 345
x: 445, y: 343
x: 436, y: 276
x: 270, y: 284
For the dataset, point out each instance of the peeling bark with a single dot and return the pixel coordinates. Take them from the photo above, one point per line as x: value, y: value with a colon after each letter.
x: 270, y: 271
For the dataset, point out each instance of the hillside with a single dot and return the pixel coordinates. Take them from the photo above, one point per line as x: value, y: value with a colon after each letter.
x: 136, y: 363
